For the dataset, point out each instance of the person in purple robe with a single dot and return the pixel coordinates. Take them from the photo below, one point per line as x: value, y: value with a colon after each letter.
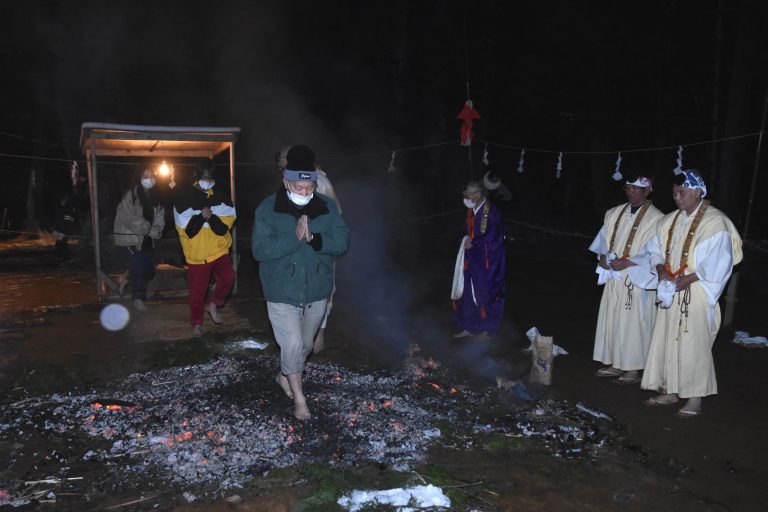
x: 479, y: 289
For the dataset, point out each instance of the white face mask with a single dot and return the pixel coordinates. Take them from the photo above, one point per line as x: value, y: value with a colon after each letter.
x: 469, y: 203
x: 206, y: 184
x: 298, y: 199
x: 147, y: 183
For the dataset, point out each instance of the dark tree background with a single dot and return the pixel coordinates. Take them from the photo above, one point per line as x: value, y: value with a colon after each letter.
x: 357, y: 79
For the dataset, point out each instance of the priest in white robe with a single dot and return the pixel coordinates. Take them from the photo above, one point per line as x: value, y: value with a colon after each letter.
x: 627, y: 308
x: 693, y: 254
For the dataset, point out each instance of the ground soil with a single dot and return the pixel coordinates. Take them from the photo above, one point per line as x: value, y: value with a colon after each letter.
x: 52, y: 341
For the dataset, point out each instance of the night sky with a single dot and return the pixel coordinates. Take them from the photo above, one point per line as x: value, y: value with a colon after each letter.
x: 355, y: 80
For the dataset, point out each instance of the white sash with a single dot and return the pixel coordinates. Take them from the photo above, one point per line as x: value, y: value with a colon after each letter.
x: 458, y: 273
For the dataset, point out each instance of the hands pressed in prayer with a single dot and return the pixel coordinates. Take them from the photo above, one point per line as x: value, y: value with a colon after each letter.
x: 302, y: 229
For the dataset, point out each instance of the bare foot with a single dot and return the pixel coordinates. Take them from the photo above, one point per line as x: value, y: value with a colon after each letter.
x: 301, y: 411
x: 319, y: 344
x: 462, y: 334
x: 283, y: 382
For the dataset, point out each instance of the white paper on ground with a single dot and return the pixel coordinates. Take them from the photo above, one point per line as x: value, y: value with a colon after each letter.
x: 423, y: 496
x: 260, y: 345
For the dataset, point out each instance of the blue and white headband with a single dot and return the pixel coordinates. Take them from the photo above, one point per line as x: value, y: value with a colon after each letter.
x: 292, y: 175
x: 693, y: 180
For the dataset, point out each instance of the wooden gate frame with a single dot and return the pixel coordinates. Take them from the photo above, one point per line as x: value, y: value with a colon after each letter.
x: 128, y: 140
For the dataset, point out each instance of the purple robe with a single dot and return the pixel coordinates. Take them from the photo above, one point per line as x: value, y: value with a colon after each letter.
x: 484, y: 267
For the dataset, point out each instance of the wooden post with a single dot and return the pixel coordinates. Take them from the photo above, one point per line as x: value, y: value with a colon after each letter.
x: 756, y: 168
x: 731, y: 300
x: 235, y: 260
x: 93, y: 187
x: 733, y: 286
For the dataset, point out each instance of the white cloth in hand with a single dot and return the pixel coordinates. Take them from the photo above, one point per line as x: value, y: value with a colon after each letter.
x: 457, y: 290
x: 665, y: 293
x: 604, y: 275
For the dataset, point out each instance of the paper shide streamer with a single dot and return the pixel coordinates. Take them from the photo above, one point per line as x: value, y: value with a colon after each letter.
x: 617, y: 176
x: 677, y: 170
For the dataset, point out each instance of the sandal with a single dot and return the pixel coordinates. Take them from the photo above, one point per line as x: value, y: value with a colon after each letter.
x: 627, y: 381
x: 609, y: 372
x: 686, y: 415
x: 656, y: 402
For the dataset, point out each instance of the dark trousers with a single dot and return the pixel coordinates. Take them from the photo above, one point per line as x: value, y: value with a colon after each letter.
x: 199, y: 276
x: 142, y: 270
x: 62, y: 248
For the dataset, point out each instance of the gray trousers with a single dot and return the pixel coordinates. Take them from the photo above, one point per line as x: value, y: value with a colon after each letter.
x: 295, y: 330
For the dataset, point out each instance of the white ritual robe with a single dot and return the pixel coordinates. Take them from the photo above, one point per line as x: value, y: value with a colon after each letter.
x: 325, y: 188
x: 680, y: 358
x: 627, y: 311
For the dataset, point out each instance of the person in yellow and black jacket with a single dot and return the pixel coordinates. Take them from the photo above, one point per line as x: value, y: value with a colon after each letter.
x: 204, y: 218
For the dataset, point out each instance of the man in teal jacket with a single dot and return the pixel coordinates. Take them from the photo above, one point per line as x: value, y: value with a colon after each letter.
x: 296, y: 235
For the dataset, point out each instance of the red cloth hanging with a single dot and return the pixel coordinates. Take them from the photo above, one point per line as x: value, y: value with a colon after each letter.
x: 468, y: 115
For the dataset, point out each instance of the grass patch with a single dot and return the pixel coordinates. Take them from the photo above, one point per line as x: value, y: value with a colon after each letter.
x: 497, y: 444
x: 325, y: 484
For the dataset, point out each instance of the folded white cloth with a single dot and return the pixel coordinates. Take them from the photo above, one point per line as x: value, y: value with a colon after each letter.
x: 743, y: 338
x: 604, y: 275
x: 457, y: 290
x: 665, y: 293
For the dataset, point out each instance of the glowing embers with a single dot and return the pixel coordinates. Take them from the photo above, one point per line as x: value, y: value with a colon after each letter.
x: 111, y: 404
x: 218, y: 424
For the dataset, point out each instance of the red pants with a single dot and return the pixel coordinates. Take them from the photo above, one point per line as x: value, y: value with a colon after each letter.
x: 199, y: 276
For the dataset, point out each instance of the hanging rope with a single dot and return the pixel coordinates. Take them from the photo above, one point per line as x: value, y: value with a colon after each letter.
x: 388, y: 152
x: 632, y: 150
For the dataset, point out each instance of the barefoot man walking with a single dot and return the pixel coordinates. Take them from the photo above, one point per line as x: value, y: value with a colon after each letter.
x: 296, y: 235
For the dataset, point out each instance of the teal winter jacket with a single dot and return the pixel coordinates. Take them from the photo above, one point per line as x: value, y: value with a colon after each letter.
x: 293, y: 271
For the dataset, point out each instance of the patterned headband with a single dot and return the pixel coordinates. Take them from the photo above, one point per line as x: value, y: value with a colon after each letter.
x: 693, y: 180
x: 642, y: 181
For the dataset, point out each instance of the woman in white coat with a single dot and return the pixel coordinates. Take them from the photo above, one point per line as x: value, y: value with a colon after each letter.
x: 139, y: 222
